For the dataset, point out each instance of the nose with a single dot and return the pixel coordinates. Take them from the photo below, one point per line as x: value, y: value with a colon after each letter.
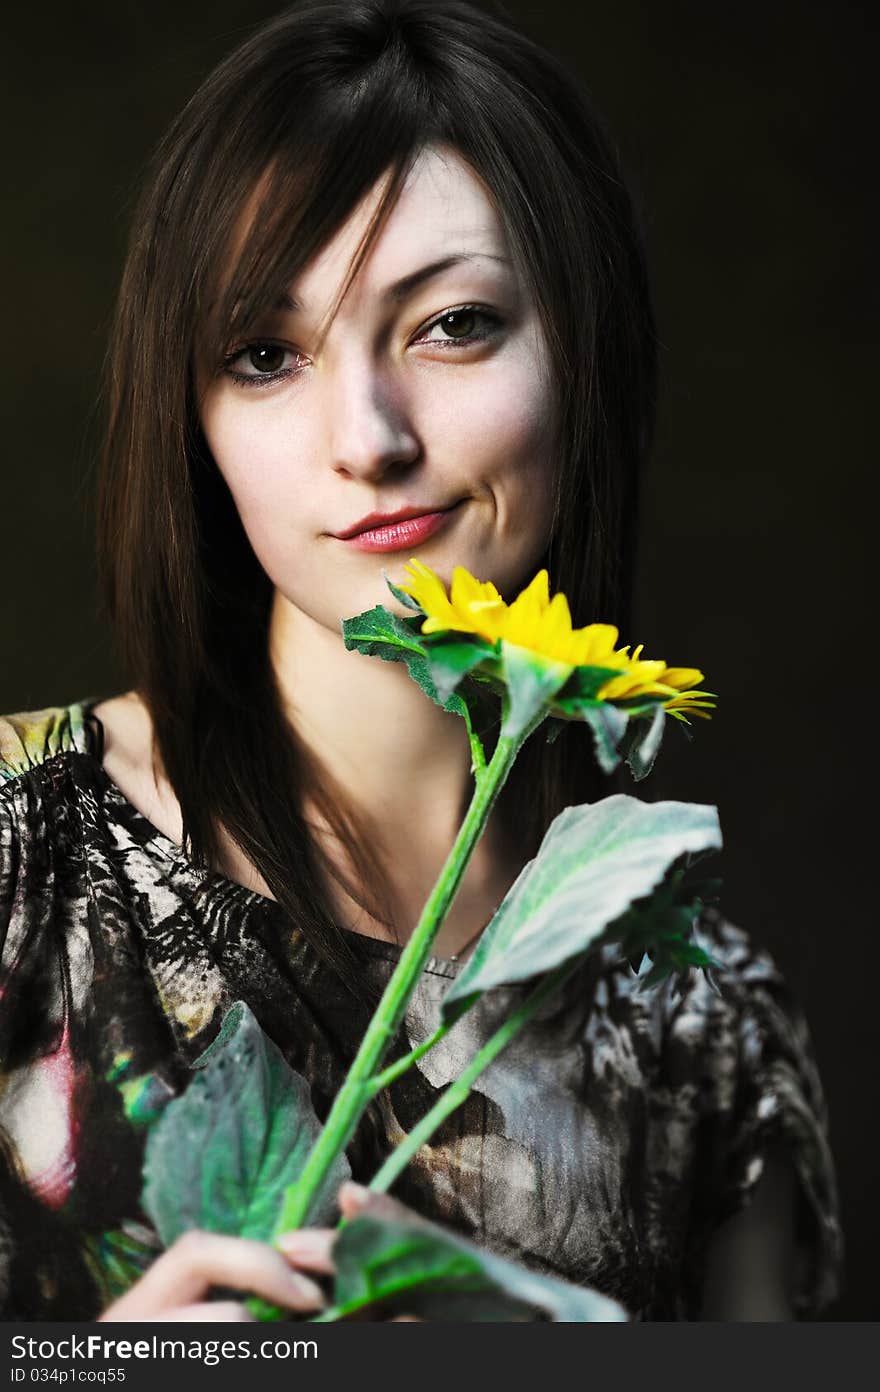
x: 370, y: 428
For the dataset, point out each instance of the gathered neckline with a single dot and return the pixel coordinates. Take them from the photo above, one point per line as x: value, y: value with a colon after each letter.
x: 93, y: 748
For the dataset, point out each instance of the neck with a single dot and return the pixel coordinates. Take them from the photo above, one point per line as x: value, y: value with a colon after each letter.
x: 403, y: 761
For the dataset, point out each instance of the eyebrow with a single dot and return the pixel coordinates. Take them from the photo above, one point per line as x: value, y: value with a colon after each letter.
x: 400, y: 289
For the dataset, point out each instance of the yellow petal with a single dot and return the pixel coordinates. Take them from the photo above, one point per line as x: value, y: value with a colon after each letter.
x: 557, y: 620
x: 466, y: 589
x: 689, y: 700
x: 597, y: 644
x: 478, y: 602
x: 543, y: 626
x: 682, y: 676
x: 425, y: 587
x: 428, y: 591
x: 526, y: 610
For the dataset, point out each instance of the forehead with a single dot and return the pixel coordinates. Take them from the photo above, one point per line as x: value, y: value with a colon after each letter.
x: 443, y: 207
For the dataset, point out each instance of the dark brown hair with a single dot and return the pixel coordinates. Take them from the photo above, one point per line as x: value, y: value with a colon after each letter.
x: 311, y: 111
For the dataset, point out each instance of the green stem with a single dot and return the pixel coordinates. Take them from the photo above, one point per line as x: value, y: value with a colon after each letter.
x: 399, y: 1066
x: 478, y: 755
x: 453, y: 1097
x: 459, y: 1090
x: 354, y: 1096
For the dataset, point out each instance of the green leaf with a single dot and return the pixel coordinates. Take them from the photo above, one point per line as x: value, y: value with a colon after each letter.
x: 645, y: 744
x: 678, y: 957
x: 222, y: 1154
x: 416, y: 1267
x: 379, y: 633
x: 595, y: 861
x: 531, y: 681
x: 660, y: 929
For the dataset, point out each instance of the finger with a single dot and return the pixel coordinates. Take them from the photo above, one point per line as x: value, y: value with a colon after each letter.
x: 406, y: 1319
x: 199, y: 1260
x: 309, y: 1248
x: 226, y: 1311
x: 356, y: 1198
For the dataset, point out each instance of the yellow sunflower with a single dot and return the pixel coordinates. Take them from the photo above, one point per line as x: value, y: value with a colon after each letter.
x: 543, y: 626
x: 533, y: 620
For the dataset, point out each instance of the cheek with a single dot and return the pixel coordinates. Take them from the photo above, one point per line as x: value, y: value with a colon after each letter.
x: 260, y: 461
x: 505, y: 427
x: 249, y: 456
x: 501, y: 418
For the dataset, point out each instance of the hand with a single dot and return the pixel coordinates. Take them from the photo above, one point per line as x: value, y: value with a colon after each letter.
x: 177, y: 1283
x: 310, y: 1247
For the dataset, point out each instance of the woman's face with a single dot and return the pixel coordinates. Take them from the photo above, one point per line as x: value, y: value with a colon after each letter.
x: 402, y: 408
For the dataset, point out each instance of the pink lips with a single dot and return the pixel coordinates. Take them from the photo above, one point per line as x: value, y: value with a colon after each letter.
x: 397, y: 536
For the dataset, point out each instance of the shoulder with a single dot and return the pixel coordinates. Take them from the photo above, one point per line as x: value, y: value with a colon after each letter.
x: 34, y: 798
x: 744, y: 976
x: 740, y: 1052
x: 29, y: 739
x: 742, y: 957
x: 36, y: 790
x: 738, y: 1025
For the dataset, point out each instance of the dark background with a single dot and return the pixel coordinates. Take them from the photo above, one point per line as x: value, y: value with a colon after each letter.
x: 746, y: 129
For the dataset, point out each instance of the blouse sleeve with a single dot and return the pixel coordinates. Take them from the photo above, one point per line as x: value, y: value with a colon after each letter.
x: 43, y: 1272
x: 8, y: 877
x: 757, y: 1086
x: 8, y: 859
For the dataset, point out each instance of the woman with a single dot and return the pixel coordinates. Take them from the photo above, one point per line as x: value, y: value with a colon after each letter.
x: 385, y: 267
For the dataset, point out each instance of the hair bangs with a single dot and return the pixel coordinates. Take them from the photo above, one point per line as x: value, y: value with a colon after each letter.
x: 299, y: 201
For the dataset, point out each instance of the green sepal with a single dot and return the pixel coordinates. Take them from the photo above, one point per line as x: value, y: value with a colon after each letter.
x: 641, y: 705
x: 644, y: 744
x: 450, y: 661
x: 405, y: 599
x: 585, y: 681
x: 412, y: 1266
x: 531, y: 681
x: 607, y: 723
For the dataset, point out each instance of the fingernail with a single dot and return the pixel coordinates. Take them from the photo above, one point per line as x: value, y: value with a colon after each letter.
x: 309, y: 1290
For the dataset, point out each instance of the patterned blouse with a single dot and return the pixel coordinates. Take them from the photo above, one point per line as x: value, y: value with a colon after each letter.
x: 603, y: 1146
